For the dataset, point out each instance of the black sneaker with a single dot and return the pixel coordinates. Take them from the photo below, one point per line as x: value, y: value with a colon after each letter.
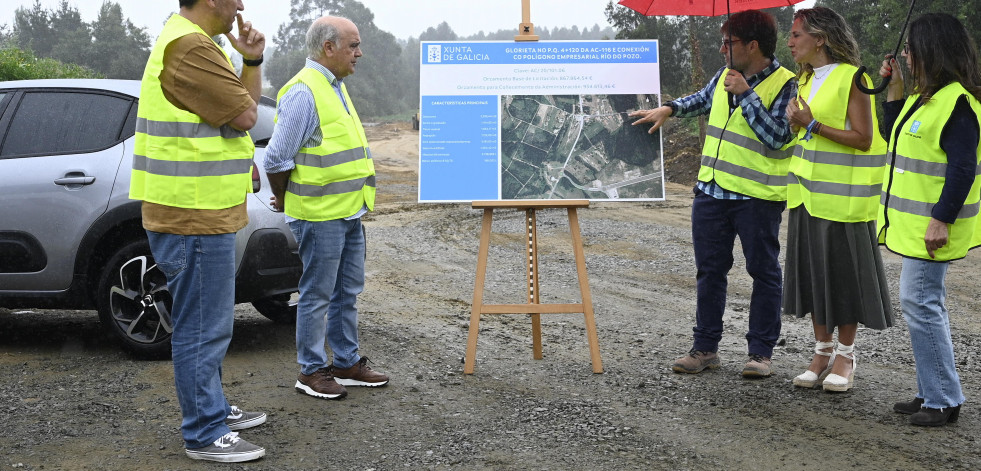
x: 241, y: 420
x: 227, y: 449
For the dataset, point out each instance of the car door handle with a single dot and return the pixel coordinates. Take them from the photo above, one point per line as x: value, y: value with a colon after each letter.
x: 75, y: 179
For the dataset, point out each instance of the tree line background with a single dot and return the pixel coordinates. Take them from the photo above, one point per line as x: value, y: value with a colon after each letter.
x: 48, y: 43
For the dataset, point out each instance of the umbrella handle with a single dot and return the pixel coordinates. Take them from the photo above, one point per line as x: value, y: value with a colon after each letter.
x: 866, y: 90
x: 885, y: 80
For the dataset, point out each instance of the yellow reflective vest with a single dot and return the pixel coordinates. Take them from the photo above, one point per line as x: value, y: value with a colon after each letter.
x: 178, y: 159
x: 337, y: 178
x: 732, y: 154
x: 833, y: 181
x: 915, y: 177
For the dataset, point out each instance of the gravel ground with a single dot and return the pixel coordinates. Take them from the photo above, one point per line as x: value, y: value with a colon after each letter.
x: 70, y: 399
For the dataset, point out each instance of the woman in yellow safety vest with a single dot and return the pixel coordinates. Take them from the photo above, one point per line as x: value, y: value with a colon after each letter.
x: 833, y: 265
x: 930, y: 198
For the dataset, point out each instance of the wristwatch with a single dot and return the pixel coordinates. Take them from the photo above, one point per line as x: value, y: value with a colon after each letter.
x: 252, y: 62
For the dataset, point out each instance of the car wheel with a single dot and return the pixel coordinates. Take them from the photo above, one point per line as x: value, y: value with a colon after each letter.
x: 134, y: 302
x: 280, y: 308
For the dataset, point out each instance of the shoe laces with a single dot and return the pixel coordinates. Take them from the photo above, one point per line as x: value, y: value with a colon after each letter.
x: 227, y: 440
x: 236, y: 413
x: 757, y: 358
x: 362, y: 364
x: 698, y: 353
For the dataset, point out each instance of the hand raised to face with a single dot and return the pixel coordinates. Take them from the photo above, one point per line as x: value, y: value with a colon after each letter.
x: 250, y: 43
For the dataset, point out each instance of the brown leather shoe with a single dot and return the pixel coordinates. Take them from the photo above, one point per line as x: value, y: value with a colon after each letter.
x: 359, y: 375
x: 695, y: 362
x: 320, y: 384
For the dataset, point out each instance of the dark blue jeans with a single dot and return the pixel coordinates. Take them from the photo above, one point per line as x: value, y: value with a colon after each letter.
x: 715, y: 223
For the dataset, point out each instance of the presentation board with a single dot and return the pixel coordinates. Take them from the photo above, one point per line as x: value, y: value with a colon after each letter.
x: 503, y: 120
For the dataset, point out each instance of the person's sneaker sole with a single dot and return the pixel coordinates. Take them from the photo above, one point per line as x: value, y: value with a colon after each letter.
x: 304, y: 389
x: 711, y: 365
x: 242, y: 425
x: 354, y: 382
x: 227, y: 457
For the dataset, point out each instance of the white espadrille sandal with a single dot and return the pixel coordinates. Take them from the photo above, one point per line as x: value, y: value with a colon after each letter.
x: 838, y: 383
x: 810, y: 379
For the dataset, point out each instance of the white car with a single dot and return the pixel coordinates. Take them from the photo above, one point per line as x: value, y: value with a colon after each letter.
x: 70, y: 237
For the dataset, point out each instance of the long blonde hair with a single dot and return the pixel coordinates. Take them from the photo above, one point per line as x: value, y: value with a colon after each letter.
x: 839, y: 41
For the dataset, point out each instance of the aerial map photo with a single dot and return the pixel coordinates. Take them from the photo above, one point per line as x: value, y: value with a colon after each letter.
x: 579, y: 147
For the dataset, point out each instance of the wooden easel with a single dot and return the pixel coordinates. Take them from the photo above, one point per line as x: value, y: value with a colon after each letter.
x: 526, y: 29
x: 533, y: 306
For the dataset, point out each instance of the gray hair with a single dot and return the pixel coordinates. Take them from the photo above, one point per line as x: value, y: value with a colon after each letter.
x: 319, y: 33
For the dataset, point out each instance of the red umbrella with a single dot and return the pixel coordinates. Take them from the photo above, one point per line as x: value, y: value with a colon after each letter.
x: 700, y: 7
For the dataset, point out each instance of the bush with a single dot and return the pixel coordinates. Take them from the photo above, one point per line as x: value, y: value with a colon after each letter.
x: 19, y: 64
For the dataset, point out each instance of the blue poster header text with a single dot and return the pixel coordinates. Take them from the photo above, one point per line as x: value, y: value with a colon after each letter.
x: 548, y: 52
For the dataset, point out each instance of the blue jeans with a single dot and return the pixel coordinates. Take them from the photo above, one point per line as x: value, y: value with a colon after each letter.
x: 200, y: 272
x: 715, y: 225
x: 921, y: 295
x: 333, y: 254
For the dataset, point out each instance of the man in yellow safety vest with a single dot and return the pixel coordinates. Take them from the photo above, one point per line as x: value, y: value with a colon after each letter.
x: 192, y: 168
x: 323, y: 178
x: 741, y: 189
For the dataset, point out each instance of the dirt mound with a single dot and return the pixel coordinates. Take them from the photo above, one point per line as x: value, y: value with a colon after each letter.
x: 682, y: 157
x: 380, y: 131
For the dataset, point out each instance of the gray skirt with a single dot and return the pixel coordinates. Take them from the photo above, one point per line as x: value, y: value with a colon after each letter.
x: 834, y: 270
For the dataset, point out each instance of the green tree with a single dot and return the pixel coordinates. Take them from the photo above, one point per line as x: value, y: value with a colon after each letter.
x: 72, y: 37
x: 877, y: 24
x: 409, y: 63
x: 442, y: 32
x: 382, y: 89
x: 33, y: 29
x: 21, y: 64
x: 119, y: 49
x: 111, y: 44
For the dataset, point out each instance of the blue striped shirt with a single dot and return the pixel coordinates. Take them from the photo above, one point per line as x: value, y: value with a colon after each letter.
x: 298, y: 126
x: 771, y: 126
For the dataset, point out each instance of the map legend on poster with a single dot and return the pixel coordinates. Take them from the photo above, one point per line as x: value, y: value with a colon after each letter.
x: 549, y: 120
x: 459, y: 142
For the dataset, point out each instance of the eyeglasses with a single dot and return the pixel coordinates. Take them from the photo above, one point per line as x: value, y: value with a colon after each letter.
x: 727, y: 43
